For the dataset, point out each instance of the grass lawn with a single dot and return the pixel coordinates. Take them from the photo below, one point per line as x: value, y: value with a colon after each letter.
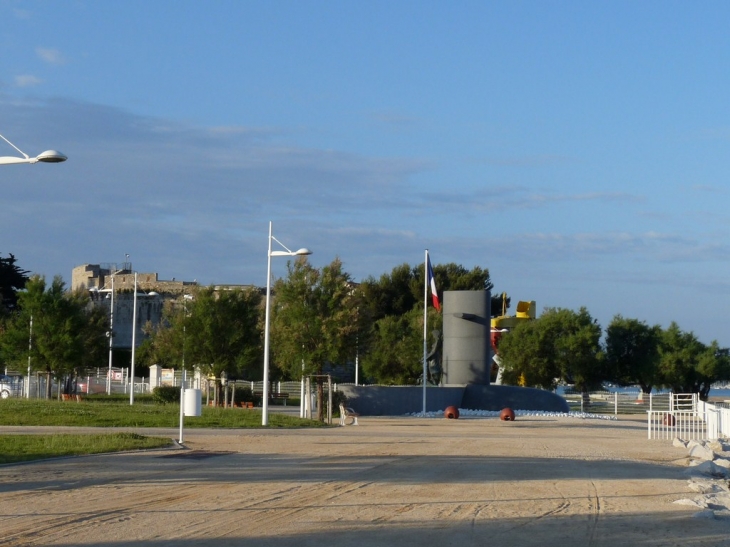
x: 104, y: 413
x: 109, y: 413
x: 20, y: 448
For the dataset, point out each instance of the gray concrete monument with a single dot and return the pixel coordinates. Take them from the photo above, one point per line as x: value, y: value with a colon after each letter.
x: 467, y: 353
x: 464, y: 370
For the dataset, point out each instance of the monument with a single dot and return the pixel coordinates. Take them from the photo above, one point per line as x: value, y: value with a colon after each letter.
x: 463, y: 375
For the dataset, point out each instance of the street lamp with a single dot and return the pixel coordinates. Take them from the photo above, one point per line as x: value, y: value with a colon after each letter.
x: 111, y: 340
x: 110, y: 332
x: 134, y: 337
x: 49, y: 156
x: 300, y: 252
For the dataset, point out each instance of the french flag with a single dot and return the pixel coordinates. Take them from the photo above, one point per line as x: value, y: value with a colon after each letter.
x: 432, y: 284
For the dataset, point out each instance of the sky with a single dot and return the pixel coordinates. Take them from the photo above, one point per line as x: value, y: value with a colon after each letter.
x: 577, y: 150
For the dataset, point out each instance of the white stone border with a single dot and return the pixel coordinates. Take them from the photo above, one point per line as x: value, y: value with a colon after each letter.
x: 466, y: 413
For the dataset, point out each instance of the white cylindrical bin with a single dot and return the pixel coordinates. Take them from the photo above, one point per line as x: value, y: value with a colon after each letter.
x: 193, y: 402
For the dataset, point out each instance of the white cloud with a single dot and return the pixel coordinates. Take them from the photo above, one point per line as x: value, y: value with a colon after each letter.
x: 194, y: 203
x: 27, y: 80
x: 50, y: 55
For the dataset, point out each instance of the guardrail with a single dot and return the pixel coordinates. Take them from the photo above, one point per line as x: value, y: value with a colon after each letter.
x: 683, y: 424
x: 717, y: 418
x: 609, y: 402
x: 689, y: 419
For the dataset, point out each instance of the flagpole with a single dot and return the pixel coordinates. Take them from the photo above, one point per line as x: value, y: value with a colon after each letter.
x: 425, y: 321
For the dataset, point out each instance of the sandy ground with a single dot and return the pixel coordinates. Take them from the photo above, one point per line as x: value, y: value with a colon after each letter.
x: 389, y: 481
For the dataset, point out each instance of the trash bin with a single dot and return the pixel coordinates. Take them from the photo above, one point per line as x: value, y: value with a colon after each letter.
x: 193, y: 402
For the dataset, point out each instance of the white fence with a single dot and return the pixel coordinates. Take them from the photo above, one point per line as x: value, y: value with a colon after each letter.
x: 688, y: 419
x: 717, y: 419
x: 609, y: 402
x: 35, y: 386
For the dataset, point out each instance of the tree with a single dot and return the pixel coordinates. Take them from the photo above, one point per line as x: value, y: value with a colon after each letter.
x: 632, y: 353
x: 218, y: 331
x: 393, y: 317
x: 68, y: 335
x: 560, y: 345
x: 12, y: 280
x: 397, y: 356
x: 314, y: 320
x: 401, y: 291
x: 686, y: 365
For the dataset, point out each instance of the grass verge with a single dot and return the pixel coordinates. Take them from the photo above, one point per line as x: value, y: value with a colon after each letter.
x: 90, y: 413
x: 20, y: 448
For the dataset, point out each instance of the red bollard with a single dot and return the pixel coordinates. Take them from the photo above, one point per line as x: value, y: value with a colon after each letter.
x: 507, y: 415
x: 451, y: 412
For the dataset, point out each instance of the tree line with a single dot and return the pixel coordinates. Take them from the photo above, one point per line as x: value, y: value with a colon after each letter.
x: 568, y: 346
x: 321, y: 318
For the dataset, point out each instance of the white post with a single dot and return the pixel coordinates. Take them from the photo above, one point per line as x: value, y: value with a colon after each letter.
x: 134, y: 339
x: 111, y: 341
x: 357, y: 365
x: 301, y: 394
x: 30, y: 348
x: 329, y: 400
x: 425, y: 331
x: 265, y: 401
x: 182, y: 413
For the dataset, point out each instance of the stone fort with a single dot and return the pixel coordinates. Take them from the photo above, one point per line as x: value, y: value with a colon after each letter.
x: 152, y: 293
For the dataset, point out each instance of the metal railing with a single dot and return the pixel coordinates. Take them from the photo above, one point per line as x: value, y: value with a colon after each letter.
x: 717, y: 418
x: 615, y: 403
x: 689, y: 418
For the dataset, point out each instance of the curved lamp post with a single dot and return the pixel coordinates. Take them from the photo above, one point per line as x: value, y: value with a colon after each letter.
x: 300, y: 252
x: 49, y: 156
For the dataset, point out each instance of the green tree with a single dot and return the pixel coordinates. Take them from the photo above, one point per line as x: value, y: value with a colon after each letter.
x: 688, y: 366
x: 632, y: 353
x: 560, y: 345
x: 314, y: 319
x: 402, y: 290
x: 393, y: 316
x: 395, y: 293
x: 68, y: 334
x: 397, y: 356
x: 12, y: 280
x: 218, y: 331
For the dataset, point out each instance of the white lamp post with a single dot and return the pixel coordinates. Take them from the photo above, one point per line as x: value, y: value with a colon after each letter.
x: 30, y: 350
x: 300, y: 252
x: 134, y: 340
x: 110, y: 332
x: 134, y: 337
x: 186, y: 297
x: 111, y: 341
x: 49, y: 156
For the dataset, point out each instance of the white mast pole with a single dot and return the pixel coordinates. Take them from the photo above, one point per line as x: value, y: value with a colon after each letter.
x: 425, y: 322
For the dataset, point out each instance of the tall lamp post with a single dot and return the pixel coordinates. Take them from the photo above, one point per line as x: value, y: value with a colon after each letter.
x: 111, y: 341
x: 110, y: 332
x: 49, y: 156
x: 300, y: 252
x: 134, y: 337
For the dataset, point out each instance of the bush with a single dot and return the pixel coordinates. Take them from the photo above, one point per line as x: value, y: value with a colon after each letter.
x: 246, y: 395
x: 166, y: 394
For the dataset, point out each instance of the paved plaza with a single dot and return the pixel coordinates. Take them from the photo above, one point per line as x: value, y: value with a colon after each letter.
x: 538, y: 481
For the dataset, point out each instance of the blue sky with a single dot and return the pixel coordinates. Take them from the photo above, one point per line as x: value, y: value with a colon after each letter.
x: 578, y: 150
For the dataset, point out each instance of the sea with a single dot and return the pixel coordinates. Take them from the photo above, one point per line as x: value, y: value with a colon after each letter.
x: 720, y: 391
